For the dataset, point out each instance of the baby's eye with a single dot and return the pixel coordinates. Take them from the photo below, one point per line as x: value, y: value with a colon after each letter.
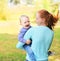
x: 28, y: 21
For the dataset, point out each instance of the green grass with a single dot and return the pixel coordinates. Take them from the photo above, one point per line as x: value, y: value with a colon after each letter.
x: 56, y: 44
x: 8, y: 51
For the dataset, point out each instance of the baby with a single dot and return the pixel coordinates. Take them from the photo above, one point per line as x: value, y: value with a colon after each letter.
x: 24, y: 21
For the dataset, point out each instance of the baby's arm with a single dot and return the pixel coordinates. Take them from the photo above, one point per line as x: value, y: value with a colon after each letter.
x: 22, y: 41
x: 20, y: 37
x: 28, y: 42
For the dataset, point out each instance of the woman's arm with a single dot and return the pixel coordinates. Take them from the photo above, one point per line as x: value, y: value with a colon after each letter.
x: 50, y: 42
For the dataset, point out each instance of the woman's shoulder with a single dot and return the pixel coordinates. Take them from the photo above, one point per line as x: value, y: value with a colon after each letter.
x: 50, y: 31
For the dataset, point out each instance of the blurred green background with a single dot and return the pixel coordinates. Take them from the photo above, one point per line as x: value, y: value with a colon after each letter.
x: 10, y: 11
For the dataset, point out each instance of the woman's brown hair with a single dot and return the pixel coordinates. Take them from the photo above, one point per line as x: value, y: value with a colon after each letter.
x: 49, y: 18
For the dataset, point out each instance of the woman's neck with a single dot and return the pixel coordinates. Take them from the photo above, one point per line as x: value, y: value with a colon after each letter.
x: 42, y: 24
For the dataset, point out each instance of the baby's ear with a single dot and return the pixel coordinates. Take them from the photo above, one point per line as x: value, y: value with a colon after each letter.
x: 20, y: 23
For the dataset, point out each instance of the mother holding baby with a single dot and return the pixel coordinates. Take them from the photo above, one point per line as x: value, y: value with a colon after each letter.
x: 41, y: 35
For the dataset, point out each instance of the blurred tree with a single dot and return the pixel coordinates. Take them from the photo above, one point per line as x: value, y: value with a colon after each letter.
x: 2, y: 5
x: 35, y: 6
x: 11, y: 0
x: 56, y: 7
x: 15, y: 1
x: 42, y: 4
x: 46, y: 4
x: 29, y: 1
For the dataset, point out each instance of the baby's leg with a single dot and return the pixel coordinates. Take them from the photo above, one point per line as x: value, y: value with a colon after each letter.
x: 30, y: 52
x: 20, y: 45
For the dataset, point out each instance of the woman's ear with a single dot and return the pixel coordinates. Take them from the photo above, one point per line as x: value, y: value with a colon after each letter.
x: 43, y: 20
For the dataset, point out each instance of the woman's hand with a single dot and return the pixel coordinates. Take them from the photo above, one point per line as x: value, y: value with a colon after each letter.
x: 28, y: 41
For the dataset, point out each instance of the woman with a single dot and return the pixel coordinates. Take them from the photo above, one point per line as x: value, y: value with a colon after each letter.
x: 41, y: 35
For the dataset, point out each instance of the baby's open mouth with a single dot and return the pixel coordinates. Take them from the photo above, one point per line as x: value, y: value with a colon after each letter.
x: 27, y: 25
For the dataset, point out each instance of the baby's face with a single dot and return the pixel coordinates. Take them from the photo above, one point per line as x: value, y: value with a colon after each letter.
x: 25, y: 22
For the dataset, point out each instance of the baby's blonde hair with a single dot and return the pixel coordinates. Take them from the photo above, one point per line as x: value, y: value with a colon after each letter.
x: 22, y: 16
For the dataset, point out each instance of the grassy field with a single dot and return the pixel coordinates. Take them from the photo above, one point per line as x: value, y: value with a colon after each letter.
x: 8, y: 51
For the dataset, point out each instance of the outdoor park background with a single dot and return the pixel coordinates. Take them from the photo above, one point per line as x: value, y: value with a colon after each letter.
x: 10, y: 11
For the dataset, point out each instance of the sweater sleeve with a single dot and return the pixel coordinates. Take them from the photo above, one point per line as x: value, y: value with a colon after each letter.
x: 50, y: 42
x: 20, y: 37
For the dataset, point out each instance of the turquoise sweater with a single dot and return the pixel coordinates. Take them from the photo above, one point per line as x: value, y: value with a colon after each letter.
x: 42, y: 38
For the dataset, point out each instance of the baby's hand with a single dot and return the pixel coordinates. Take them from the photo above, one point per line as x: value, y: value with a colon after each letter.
x: 28, y: 41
